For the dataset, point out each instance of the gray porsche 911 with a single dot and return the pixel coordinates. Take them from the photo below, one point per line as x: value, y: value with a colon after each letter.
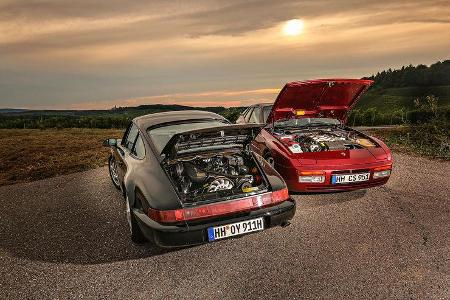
x: 189, y: 177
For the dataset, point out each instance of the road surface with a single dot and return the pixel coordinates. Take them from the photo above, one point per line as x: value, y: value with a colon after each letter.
x: 66, y: 237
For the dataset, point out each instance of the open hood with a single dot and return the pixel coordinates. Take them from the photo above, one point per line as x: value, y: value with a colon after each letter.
x: 327, y: 98
x: 213, y: 138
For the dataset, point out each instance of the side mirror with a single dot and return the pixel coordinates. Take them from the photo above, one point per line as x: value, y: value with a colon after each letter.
x: 110, y: 143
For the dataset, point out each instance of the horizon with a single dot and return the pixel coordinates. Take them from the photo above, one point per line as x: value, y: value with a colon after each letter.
x: 86, y: 56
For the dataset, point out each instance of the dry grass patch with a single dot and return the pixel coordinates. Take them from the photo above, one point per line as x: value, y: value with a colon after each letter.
x: 32, y: 154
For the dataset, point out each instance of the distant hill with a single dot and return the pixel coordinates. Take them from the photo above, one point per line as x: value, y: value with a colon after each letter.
x: 396, y: 89
x: 117, y: 117
x: 127, y: 110
x: 11, y: 110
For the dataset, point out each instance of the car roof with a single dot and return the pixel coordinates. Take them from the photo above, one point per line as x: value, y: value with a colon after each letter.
x: 150, y: 120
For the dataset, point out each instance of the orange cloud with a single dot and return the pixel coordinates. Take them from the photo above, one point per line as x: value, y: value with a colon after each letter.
x: 201, y: 99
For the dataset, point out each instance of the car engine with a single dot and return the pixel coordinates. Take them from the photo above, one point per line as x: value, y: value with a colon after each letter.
x: 323, y: 139
x: 229, y: 173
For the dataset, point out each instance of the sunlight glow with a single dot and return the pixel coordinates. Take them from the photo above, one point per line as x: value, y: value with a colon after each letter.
x: 293, y: 27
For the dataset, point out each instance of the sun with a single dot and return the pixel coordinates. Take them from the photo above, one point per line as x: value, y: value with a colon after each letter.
x: 293, y: 27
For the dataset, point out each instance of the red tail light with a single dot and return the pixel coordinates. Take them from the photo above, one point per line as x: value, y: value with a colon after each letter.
x: 220, y: 208
x: 280, y: 195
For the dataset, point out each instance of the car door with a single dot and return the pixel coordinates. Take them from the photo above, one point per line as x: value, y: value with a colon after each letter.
x: 124, y: 150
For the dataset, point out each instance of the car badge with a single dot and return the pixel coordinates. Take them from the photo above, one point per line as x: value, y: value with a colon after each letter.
x: 343, y: 153
x: 222, y: 133
x: 259, y: 200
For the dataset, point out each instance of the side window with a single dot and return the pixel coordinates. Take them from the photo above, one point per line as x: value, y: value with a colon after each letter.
x: 139, y: 148
x: 247, y: 116
x: 254, y: 117
x: 131, y: 137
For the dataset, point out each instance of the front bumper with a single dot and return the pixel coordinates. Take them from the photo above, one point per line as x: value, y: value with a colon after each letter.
x: 327, y: 187
x: 291, y: 174
x: 167, y: 236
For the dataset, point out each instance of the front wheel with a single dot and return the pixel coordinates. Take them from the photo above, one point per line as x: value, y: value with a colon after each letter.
x: 136, y: 234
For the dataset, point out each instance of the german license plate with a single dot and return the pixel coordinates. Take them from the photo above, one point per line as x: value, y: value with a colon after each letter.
x: 349, y: 178
x: 221, y: 232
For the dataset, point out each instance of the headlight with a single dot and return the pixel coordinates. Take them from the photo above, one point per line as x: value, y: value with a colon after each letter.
x: 380, y: 174
x: 383, y: 171
x: 311, y: 177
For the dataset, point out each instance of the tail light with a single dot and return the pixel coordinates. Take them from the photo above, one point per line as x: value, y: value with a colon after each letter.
x: 220, y: 208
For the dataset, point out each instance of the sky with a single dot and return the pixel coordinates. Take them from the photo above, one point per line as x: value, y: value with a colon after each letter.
x: 60, y: 54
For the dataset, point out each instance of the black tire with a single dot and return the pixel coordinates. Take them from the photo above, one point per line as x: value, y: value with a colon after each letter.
x: 112, y: 167
x: 136, y: 233
x: 268, y: 157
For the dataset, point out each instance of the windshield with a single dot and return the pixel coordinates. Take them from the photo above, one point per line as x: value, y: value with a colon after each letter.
x: 161, y: 135
x: 266, y: 111
x: 307, y: 122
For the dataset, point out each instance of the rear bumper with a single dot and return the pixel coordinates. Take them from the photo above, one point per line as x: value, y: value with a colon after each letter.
x: 167, y: 236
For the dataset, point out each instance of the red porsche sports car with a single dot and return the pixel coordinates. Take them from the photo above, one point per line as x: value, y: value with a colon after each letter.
x: 305, y: 137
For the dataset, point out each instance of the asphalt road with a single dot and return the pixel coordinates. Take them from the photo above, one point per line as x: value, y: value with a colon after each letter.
x: 67, y: 237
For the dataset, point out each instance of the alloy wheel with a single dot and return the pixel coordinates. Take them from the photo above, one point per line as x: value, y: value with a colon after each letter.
x: 113, y: 171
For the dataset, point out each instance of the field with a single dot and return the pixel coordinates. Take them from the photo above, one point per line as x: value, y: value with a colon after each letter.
x: 32, y: 154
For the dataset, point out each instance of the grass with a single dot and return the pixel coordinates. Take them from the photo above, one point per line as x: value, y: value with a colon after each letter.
x: 385, y: 100
x: 32, y: 154
x: 406, y: 140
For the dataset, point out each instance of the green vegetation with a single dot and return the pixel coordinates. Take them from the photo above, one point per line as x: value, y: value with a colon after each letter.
x: 426, y: 136
x: 391, y: 99
x: 418, y: 76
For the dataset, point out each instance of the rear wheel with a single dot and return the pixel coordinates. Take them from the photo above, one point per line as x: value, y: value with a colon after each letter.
x: 112, y: 165
x: 136, y: 234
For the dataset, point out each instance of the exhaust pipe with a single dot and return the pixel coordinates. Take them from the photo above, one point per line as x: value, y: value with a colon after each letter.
x: 285, y: 224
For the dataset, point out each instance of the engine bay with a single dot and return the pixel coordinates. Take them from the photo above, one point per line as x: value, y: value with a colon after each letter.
x: 206, y: 176
x: 322, y: 139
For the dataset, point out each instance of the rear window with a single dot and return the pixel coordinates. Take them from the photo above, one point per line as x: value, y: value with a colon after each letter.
x: 160, y: 136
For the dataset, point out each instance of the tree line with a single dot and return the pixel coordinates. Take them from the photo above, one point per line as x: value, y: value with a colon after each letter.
x: 104, y: 121
x: 420, y: 75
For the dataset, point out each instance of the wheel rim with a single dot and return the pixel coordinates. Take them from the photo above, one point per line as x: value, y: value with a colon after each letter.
x: 270, y: 161
x: 113, y: 171
x: 128, y: 213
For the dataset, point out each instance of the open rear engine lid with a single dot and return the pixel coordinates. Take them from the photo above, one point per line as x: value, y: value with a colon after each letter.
x: 212, y: 138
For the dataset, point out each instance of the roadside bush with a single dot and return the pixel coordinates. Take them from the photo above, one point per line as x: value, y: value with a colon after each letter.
x: 429, y: 132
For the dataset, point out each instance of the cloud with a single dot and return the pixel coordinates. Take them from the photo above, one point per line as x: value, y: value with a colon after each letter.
x: 201, y: 99
x: 73, y: 52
